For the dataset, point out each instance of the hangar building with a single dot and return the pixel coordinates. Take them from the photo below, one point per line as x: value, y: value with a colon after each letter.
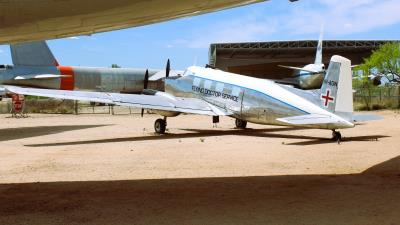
x: 261, y: 59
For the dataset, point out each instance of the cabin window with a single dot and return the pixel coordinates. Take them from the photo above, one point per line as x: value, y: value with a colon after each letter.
x: 196, y: 82
x: 219, y: 87
x: 235, y: 91
x: 207, y: 84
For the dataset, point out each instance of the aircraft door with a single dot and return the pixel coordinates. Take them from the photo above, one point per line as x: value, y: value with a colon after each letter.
x: 250, y: 106
x: 232, y: 97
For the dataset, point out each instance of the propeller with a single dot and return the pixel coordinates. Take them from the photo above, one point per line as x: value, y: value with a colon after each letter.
x: 168, y: 69
x: 145, y: 84
x: 146, y: 80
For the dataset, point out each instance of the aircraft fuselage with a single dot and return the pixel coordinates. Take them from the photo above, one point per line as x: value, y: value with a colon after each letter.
x: 309, y: 81
x: 77, y: 78
x: 254, y: 100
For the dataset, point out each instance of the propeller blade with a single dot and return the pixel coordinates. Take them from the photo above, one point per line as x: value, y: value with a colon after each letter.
x: 168, y: 69
x: 145, y: 85
x: 146, y: 79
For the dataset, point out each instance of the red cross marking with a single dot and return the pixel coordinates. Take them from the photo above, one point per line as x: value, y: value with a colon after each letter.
x: 327, y: 98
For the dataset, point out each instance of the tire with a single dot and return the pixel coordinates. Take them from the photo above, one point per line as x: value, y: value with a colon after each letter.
x: 160, y: 126
x: 336, y: 136
x: 240, y: 124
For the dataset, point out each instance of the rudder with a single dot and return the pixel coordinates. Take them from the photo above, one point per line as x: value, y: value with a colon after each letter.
x: 32, y: 54
x: 337, y: 91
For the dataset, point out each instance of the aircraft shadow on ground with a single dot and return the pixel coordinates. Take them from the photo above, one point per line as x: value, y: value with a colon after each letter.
x: 371, y: 197
x: 9, y: 134
x: 197, y: 133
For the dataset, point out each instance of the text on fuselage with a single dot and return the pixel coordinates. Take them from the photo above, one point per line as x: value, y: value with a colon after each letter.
x: 217, y: 94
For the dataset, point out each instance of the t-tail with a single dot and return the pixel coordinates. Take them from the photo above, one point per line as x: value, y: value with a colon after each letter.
x: 337, y: 91
x: 32, y: 54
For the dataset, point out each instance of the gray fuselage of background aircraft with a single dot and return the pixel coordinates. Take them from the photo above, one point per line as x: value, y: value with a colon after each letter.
x: 35, y: 66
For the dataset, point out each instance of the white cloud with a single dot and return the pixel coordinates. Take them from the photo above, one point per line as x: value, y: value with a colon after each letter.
x: 345, y: 17
x: 339, y: 18
x: 244, y: 29
x: 74, y: 38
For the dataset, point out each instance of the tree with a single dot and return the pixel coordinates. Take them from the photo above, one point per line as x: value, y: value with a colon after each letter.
x: 384, y: 62
x: 115, y: 66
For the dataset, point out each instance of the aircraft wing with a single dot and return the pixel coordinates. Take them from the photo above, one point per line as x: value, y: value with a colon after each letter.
x: 30, y: 20
x: 291, y: 67
x: 159, y: 101
x: 310, y: 119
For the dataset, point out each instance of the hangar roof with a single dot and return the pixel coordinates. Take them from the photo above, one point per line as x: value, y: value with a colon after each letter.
x: 260, y: 58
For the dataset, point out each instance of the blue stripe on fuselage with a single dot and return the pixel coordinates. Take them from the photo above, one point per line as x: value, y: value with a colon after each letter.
x: 285, y: 103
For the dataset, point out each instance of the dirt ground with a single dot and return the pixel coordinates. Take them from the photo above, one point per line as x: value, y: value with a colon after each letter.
x: 102, y: 169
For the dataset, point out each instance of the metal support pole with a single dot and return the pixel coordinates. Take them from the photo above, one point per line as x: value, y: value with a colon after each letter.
x: 75, y: 107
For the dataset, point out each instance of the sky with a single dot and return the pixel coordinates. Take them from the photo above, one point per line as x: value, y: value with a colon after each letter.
x: 186, y: 41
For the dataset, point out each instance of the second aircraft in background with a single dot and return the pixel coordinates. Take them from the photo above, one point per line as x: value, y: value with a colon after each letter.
x: 34, y: 65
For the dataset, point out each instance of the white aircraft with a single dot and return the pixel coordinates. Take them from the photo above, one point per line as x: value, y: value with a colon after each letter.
x: 216, y: 93
x: 310, y: 76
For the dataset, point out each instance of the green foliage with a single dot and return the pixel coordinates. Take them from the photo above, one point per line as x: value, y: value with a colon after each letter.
x: 385, y: 60
x: 364, y: 87
x: 115, y: 66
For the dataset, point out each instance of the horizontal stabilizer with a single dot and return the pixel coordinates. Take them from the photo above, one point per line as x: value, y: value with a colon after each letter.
x: 40, y: 77
x: 161, y: 74
x: 310, y: 119
x: 365, y: 117
x: 297, y: 68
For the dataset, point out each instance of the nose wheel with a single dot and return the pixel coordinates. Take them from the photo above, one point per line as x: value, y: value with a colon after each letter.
x: 160, y: 126
x: 336, y: 136
x: 240, y: 124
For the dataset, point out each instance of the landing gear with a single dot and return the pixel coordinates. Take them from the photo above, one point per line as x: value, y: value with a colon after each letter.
x: 240, y: 124
x: 336, y: 136
x: 160, y: 126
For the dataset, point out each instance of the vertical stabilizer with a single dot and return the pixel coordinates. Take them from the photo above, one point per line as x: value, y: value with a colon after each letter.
x: 32, y: 54
x: 337, y: 91
x: 318, y: 55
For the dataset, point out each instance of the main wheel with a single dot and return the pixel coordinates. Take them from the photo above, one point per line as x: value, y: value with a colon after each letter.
x: 160, y: 126
x: 240, y: 124
x: 336, y: 136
